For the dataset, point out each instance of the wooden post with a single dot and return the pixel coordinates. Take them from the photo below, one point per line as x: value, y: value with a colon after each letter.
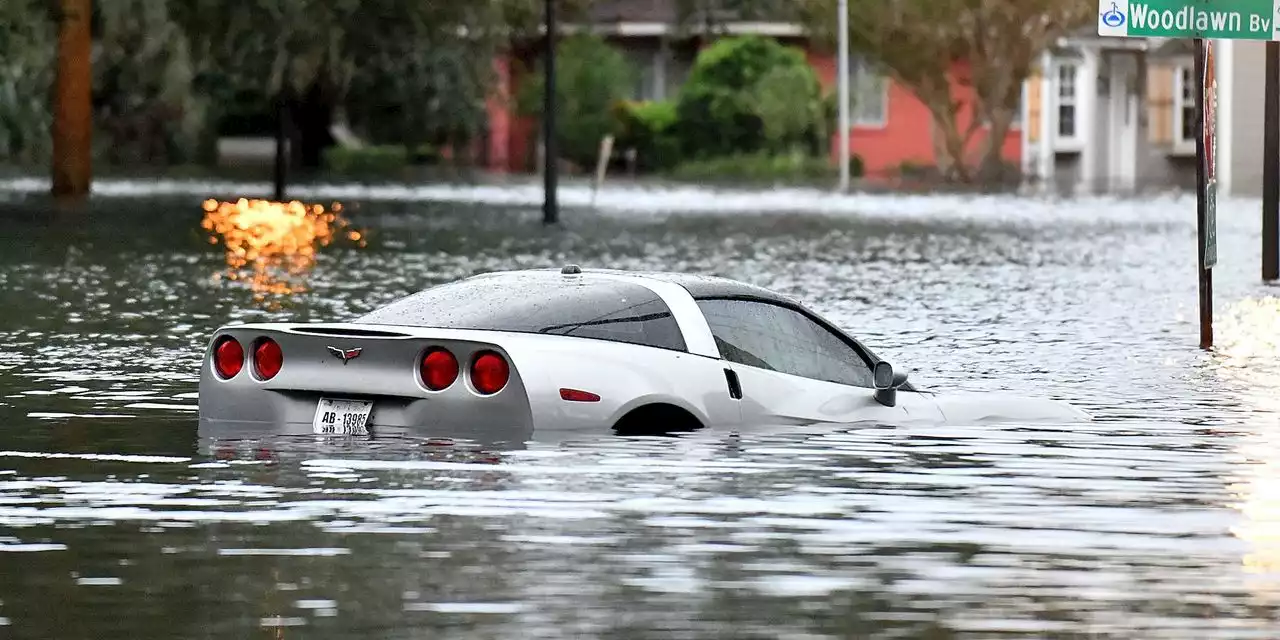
x: 1271, y: 166
x: 602, y: 165
x: 73, y: 106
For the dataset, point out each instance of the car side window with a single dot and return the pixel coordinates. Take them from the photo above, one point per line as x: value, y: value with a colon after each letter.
x: 770, y: 336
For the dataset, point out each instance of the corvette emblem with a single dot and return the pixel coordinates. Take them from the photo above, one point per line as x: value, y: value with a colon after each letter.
x: 345, y: 355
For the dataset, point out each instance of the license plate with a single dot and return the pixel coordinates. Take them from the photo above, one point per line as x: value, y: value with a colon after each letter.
x: 342, y: 417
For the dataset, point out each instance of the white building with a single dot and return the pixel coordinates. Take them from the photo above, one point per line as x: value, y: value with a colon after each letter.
x: 1118, y: 116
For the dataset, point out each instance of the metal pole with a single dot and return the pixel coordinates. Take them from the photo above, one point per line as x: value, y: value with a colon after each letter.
x: 842, y: 82
x: 550, y: 214
x: 1271, y: 167
x: 1205, y: 275
x: 282, y: 148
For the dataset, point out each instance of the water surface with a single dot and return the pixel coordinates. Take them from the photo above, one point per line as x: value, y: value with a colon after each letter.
x: 1159, y: 519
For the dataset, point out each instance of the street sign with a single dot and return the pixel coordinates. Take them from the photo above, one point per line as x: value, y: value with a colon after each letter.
x: 1208, y: 19
x: 1209, y: 129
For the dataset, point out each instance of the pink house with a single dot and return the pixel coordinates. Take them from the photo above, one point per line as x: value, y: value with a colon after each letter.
x: 890, y: 128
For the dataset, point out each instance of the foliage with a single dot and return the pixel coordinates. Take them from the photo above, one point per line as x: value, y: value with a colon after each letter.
x: 28, y: 40
x: 145, y: 106
x: 764, y: 167
x: 377, y: 159
x: 918, y: 43
x: 787, y: 119
x: 402, y: 70
x: 648, y: 127
x: 723, y: 104
x: 591, y: 79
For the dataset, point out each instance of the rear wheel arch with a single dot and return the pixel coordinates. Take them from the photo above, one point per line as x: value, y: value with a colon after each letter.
x: 657, y: 417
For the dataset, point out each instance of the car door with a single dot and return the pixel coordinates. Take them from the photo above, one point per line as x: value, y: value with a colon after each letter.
x: 792, y: 369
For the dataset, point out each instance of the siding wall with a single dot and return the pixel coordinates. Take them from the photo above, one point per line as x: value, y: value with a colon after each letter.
x: 1247, y: 113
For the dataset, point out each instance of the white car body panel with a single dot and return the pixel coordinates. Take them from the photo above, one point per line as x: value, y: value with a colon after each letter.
x: 625, y: 376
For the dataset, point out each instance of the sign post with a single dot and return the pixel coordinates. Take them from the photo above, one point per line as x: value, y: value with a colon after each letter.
x: 1206, y: 184
x: 1271, y: 166
x: 1204, y: 21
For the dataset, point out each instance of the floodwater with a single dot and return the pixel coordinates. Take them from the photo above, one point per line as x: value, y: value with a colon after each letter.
x: 1161, y: 519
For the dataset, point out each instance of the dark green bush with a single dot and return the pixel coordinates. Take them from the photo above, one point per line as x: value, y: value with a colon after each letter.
x: 591, y: 78
x: 649, y: 128
x: 764, y: 167
x: 739, y: 83
x: 366, y: 160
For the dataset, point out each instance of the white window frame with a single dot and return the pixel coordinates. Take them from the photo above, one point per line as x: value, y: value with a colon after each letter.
x: 1073, y: 67
x: 861, y: 73
x: 1181, y: 105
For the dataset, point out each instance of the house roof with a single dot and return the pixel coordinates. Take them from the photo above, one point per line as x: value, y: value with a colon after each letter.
x: 632, y: 11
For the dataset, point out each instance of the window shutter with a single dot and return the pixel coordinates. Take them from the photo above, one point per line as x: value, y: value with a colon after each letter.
x: 1160, y: 103
x: 1034, y: 101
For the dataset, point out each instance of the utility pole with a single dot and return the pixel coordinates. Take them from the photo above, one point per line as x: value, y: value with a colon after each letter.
x: 842, y: 82
x: 73, y: 106
x: 550, y: 212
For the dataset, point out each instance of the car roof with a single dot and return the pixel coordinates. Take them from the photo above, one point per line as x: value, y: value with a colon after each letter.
x: 698, y: 286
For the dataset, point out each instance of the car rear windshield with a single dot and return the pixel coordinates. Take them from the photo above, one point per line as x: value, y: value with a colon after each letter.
x: 536, y: 303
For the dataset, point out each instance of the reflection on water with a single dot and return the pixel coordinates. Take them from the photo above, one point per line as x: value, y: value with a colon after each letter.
x: 1142, y: 524
x: 277, y: 241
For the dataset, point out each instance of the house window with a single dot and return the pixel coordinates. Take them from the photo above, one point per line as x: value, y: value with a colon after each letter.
x: 868, y: 93
x: 1184, y: 105
x: 1067, y: 95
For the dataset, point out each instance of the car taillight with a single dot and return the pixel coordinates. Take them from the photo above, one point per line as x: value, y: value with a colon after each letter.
x: 228, y: 357
x: 439, y: 369
x: 267, y: 358
x: 489, y: 373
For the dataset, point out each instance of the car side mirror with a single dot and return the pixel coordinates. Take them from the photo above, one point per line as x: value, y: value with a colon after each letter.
x: 887, y: 383
x: 883, y: 375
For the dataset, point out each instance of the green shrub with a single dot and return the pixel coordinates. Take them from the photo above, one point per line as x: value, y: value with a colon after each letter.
x: 591, y: 78
x: 378, y: 159
x: 764, y: 167
x: 739, y: 83
x: 649, y: 128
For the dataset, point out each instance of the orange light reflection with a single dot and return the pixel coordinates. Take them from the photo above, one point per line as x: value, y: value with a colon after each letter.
x: 270, y: 244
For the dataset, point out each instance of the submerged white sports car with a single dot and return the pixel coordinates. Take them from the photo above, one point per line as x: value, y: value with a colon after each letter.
x: 570, y: 349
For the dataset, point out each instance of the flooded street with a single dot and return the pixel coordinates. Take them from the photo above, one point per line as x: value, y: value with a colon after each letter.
x: 1160, y: 519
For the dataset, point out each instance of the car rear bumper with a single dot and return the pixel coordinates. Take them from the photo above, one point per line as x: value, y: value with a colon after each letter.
x: 226, y: 411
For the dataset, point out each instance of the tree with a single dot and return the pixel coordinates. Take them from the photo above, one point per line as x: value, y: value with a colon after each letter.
x: 918, y: 42
x: 723, y: 105
x: 28, y: 46
x: 144, y: 99
x: 403, y: 71
x: 591, y: 79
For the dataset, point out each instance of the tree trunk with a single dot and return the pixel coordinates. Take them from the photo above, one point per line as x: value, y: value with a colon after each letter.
x: 312, y: 116
x: 991, y: 168
x: 948, y: 142
x: 73, y: 107
x: 951, y: 144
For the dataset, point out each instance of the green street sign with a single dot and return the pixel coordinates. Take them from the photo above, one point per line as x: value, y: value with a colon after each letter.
x: 1209, y: 19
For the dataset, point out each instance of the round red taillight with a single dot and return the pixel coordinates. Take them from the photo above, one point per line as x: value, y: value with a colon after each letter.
x: 228, y: 357
x: 489, y: 373
x: 267, y: 358
x: 439, y: 369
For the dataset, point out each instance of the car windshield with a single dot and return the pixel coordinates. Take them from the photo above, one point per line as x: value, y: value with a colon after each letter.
x: 540, y: 303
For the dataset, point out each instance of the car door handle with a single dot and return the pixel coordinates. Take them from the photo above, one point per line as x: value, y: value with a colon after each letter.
x: 735, y: 387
